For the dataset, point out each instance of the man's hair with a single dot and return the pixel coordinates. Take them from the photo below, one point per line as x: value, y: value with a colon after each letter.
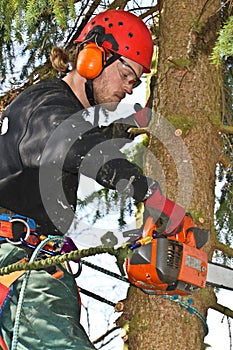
x: 61, y: 60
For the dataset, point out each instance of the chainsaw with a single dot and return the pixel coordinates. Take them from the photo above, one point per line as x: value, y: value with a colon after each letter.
x: 160, y: 263
x: 175, y: 263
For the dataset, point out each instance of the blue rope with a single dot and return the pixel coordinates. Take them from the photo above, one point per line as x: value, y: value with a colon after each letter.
x: 189, y: 308
x: 24, y: 285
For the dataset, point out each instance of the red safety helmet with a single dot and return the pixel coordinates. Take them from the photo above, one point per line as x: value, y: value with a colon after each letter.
x: 123, y: 33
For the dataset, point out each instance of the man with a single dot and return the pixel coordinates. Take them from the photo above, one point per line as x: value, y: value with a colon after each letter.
x: 48, y: 141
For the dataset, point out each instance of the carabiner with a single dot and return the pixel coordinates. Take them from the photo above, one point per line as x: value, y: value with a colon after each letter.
x: 67, y: 247
x: 27, y: 231
x: 70, y: 271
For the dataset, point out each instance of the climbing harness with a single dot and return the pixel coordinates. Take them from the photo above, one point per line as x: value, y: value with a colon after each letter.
x: 7, y: 281
x: 20, y: 230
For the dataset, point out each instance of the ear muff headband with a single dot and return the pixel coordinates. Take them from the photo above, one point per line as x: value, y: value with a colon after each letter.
x: 91, y: 60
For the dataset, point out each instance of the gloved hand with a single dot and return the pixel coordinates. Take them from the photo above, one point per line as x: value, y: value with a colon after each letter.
x: 142, y: 115
x: 160, y: 207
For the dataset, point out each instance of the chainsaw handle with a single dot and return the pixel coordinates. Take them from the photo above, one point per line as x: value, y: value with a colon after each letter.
x: 186, y: 233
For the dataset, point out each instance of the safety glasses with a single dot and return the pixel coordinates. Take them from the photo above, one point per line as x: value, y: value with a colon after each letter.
x: 127, y: 73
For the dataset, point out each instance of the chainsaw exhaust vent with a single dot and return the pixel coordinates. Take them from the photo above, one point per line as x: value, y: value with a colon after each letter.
x: 174, y: 254
x: 168, y: 259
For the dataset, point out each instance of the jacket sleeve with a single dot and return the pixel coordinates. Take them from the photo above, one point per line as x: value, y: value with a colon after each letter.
x: 106, y: 164
x: 92, y: 145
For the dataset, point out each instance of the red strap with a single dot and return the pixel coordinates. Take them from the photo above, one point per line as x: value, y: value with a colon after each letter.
x: 3, y: 345
x: 174, y: 212
x: 4, y: 290
x: 143, y: 117
x: 6, y: 281
x: 6, y: 229
x: 3, y: 295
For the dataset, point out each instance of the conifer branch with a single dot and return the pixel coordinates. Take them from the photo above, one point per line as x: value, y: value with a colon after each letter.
x: 224, y: 248
x: 226, y: 129
x: 223, y: 309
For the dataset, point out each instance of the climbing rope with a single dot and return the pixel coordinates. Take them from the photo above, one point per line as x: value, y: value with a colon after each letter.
x: 96, y: 297
x: 120, y: 253
x: 190, y: 309
x: 106, y: 272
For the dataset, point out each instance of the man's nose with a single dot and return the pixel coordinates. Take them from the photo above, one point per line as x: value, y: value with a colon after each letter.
x: 128, y: 88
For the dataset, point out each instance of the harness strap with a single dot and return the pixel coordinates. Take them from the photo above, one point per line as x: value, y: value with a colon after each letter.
x: 6, y: 229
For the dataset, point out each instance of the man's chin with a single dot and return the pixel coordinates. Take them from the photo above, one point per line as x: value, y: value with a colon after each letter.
x: 111, y: 106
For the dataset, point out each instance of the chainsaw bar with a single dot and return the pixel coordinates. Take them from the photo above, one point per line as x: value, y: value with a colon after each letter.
x: 219, y: 276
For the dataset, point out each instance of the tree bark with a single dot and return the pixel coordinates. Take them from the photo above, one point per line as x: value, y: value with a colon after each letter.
x: 183, y: 158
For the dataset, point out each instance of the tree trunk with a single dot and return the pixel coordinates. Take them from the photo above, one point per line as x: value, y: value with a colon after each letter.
x: 183, y: 158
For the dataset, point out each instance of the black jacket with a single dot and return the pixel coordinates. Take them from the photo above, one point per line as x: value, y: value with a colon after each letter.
x: 48, y: 144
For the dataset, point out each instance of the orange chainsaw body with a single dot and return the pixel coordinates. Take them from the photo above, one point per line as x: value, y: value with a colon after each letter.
x: 168, y: 265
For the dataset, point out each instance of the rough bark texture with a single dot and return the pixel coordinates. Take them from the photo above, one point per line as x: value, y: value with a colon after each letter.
x: 188, y: 96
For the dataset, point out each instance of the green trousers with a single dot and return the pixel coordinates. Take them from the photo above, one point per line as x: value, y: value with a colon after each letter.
x: 50, y: 316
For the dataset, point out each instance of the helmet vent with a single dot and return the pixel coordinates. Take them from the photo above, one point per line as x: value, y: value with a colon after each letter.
x: 110, y: 25
x: 106, y: 19
x: 137, y: 53
x: 130, y: 35
x: 127, y: 48
x: 120, y: 23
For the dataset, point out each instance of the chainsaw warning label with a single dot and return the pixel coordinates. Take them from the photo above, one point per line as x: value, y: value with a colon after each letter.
x: 193, y: 262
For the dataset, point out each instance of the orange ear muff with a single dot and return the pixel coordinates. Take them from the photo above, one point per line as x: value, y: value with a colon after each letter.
x: 91, y: 61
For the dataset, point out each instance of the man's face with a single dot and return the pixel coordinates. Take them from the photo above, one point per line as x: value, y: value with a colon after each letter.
x: 117, y: 80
